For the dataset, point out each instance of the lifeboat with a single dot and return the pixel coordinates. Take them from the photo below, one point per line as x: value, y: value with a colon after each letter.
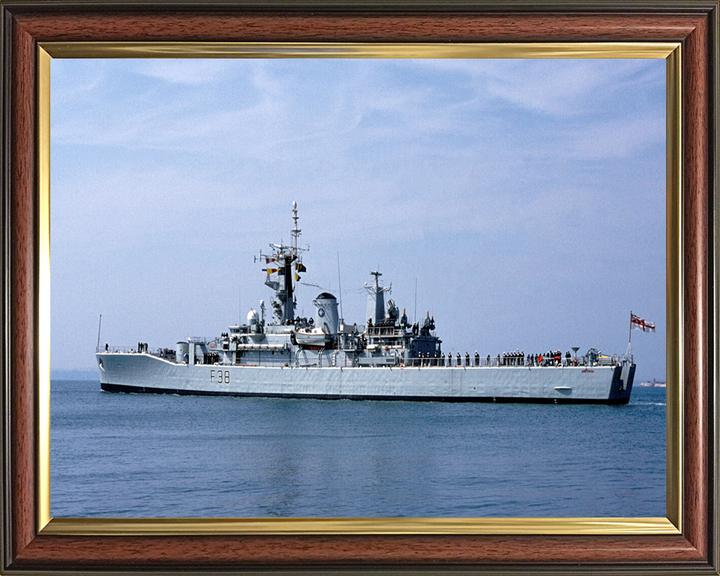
x: 312, y: 339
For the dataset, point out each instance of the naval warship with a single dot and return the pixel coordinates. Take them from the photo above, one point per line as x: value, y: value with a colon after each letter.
x: 387, y: 358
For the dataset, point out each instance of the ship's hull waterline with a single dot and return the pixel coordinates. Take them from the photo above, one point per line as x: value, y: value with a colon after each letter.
x: 146, y: 373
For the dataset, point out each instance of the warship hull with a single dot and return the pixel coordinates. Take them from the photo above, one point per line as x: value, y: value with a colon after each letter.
x: 387, y: 358
x: 146, y: 373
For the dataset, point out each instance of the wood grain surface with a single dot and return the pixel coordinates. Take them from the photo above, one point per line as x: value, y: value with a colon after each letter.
x: 23, y: 222
x: 222, y: 552
x: 26, y: 24
x: 696, y: 226
x: 333, y: 27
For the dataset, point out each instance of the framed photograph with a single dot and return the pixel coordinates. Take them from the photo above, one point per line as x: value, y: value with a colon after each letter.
x: 190, y: 44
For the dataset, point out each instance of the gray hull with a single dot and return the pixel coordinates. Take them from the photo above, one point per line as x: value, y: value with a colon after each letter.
x: 140, y: 372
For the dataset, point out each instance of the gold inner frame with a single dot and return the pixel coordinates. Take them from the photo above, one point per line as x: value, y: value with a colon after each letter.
x: 671, y: 524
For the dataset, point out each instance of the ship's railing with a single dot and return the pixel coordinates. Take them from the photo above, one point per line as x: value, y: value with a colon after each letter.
x: 125, y: 349
x: 389, y: 331
x: 385, y: 331
x: 118, y: 349
x: 471, y: 361
x: 159, y: 352
x: 143, y: 347
x: 204, y: 340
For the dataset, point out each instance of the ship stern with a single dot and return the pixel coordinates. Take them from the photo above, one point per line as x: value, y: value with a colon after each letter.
x: 621, y: 386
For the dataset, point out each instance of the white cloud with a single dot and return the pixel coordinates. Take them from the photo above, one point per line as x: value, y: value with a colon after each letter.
x: 615, y: 138
x: 555, y: 87
x: 190, y: 71
x: 72, y: 84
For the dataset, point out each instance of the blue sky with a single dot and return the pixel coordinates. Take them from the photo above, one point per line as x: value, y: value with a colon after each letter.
x: 525, y: 197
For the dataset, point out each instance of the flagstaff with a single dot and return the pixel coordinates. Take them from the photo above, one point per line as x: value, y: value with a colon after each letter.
x: 638, y: 324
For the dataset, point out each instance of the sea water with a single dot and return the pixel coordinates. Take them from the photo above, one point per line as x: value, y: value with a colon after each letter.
x: 137, y: 455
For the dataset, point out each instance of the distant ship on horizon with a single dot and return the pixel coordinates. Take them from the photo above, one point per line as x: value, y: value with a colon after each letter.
x: 653, y: 384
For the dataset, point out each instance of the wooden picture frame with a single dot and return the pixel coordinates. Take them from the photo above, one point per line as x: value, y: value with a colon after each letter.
x: 31, y: 544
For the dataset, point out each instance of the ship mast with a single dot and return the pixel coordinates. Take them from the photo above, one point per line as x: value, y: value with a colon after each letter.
x: 285, y: 256
x: 295, y: 231
x: 376, y: 299
x: 289, y: 315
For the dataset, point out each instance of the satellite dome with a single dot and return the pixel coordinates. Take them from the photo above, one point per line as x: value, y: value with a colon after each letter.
x: 252, y: 317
